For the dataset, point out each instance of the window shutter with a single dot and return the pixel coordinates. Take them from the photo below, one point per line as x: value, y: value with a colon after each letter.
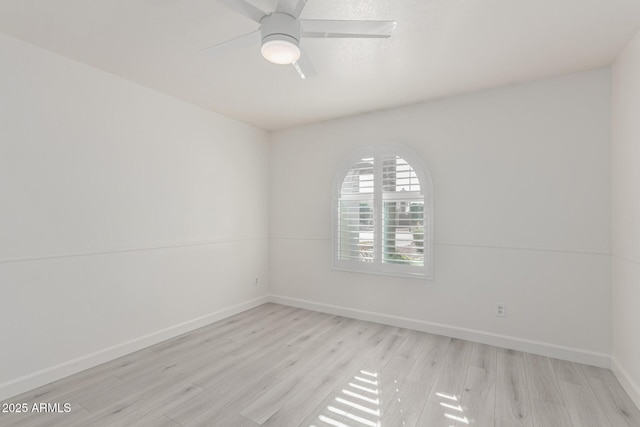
x: 402, y: 213
x: 356, y: 213
x: 383, y: 216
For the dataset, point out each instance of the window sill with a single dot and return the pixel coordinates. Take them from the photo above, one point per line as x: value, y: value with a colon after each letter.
x: 415, y: 276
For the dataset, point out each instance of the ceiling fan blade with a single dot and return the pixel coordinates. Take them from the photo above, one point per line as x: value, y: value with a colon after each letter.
x: 346, y: 29
x: 291, y: 7
x: 233, y: 44
x: 243, y: 7
x: 304, y: 66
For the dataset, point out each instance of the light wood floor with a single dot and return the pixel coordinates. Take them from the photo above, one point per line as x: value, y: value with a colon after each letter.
x: 281, y: 366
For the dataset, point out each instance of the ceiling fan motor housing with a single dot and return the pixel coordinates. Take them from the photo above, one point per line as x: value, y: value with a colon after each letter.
x: 280, y: 29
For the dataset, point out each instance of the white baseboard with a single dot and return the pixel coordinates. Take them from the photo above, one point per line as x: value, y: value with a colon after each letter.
x: 48, y: 375
x: 36, y: 379
x: 545, y: 349
x: 630, y: 386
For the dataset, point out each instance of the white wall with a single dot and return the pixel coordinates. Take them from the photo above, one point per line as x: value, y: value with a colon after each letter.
x: 522, y: 216
x: 126, y: 216
x: 626, y: 217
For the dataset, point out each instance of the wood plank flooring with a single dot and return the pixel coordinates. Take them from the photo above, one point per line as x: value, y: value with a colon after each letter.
x: 282, y: 366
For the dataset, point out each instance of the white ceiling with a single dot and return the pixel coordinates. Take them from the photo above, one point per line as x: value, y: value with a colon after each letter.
x: 440, y: 48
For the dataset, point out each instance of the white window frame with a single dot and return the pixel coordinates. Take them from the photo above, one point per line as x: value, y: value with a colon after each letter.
x: 426, y: 188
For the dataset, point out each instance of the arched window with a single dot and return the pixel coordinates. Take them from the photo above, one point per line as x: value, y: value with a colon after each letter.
x: 383, y: 214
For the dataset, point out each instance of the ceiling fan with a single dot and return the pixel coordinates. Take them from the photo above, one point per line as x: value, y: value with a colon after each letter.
x: 281, y: 30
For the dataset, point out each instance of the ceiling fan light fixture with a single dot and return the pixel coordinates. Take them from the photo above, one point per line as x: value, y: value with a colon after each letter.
x: 280, y: 32
x: 280, y: 49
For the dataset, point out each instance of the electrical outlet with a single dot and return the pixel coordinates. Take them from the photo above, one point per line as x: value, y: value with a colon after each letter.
x: 256, y: 283
x: 500, y: 310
